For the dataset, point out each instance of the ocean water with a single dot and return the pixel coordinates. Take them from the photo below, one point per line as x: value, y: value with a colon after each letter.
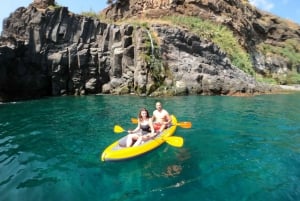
x: 239, y: 149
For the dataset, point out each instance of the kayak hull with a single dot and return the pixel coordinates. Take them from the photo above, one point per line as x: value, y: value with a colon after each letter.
x: 118, y: 151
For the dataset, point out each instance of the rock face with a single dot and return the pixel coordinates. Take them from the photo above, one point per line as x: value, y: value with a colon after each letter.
x: 198, y: 67
x: 251, y: 26
x: 43, y: 4
x: 52, y: 52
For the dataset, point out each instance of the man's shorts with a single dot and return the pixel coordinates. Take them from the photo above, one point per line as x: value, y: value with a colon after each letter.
x: 157, y: 126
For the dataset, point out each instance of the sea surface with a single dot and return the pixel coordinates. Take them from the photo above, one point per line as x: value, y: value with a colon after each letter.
x: 238, y: 149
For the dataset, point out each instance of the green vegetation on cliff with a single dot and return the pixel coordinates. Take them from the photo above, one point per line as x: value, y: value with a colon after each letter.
x: 225, y: 39
x: 218, y: 34
x: 290, y: 51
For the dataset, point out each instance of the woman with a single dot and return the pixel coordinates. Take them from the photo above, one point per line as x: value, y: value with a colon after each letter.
x: 143, y: 131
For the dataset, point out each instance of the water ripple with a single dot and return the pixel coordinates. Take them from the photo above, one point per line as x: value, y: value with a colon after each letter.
x: 238, y: 148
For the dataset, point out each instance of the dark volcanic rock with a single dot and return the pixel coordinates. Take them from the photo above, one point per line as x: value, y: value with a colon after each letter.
x: 51, y: 52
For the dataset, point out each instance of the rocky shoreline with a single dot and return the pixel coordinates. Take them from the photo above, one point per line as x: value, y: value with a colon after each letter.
x: 290, y: 87
x: 50, y: 51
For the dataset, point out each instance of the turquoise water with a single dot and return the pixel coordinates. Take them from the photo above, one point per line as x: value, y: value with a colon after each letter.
x: 239, y: 148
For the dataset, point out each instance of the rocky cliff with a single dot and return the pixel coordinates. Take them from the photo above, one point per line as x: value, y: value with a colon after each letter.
x: 49, y: 51
x: 256, y: 30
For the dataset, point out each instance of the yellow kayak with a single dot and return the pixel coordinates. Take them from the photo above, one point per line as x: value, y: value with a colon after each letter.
x: 117, y: 150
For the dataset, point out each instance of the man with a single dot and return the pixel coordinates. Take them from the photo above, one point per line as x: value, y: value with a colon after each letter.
x: 161, y: 118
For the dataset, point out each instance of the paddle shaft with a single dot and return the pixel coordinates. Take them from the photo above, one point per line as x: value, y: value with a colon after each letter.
x: 185, y: 124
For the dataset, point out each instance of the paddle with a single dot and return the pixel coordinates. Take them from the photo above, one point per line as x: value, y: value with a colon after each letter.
x: 175, y: 141
x: 172, y: 140
x: 118, y: 129
x: 185, y: 124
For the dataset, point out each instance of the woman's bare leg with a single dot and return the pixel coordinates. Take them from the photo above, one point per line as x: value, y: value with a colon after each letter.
x: 130, y: 139
x: 138, y: 142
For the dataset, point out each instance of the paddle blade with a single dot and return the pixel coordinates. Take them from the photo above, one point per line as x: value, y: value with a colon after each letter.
x: 118, y: 129
x: 175, y: 141
x: 186, y: 124
x: 134, y: 120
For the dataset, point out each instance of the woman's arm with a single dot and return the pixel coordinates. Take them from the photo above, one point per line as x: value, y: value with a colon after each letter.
x: 136, y: 129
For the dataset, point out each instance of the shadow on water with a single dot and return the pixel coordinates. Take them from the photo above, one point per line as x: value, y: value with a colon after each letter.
x: 162, y: 173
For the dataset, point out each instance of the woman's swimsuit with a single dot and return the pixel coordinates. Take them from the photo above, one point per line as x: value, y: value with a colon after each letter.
x: 145, y: 128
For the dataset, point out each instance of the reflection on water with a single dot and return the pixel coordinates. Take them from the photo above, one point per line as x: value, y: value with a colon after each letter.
x: 239, y: 148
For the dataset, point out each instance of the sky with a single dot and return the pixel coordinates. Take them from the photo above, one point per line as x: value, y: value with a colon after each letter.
x: 287, y: 9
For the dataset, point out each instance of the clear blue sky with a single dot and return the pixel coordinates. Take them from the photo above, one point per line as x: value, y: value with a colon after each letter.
x: 288, y: 9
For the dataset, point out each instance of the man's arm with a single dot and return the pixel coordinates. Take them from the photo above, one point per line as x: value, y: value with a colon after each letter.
x: 168, y: 117
x: 153, y: 116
